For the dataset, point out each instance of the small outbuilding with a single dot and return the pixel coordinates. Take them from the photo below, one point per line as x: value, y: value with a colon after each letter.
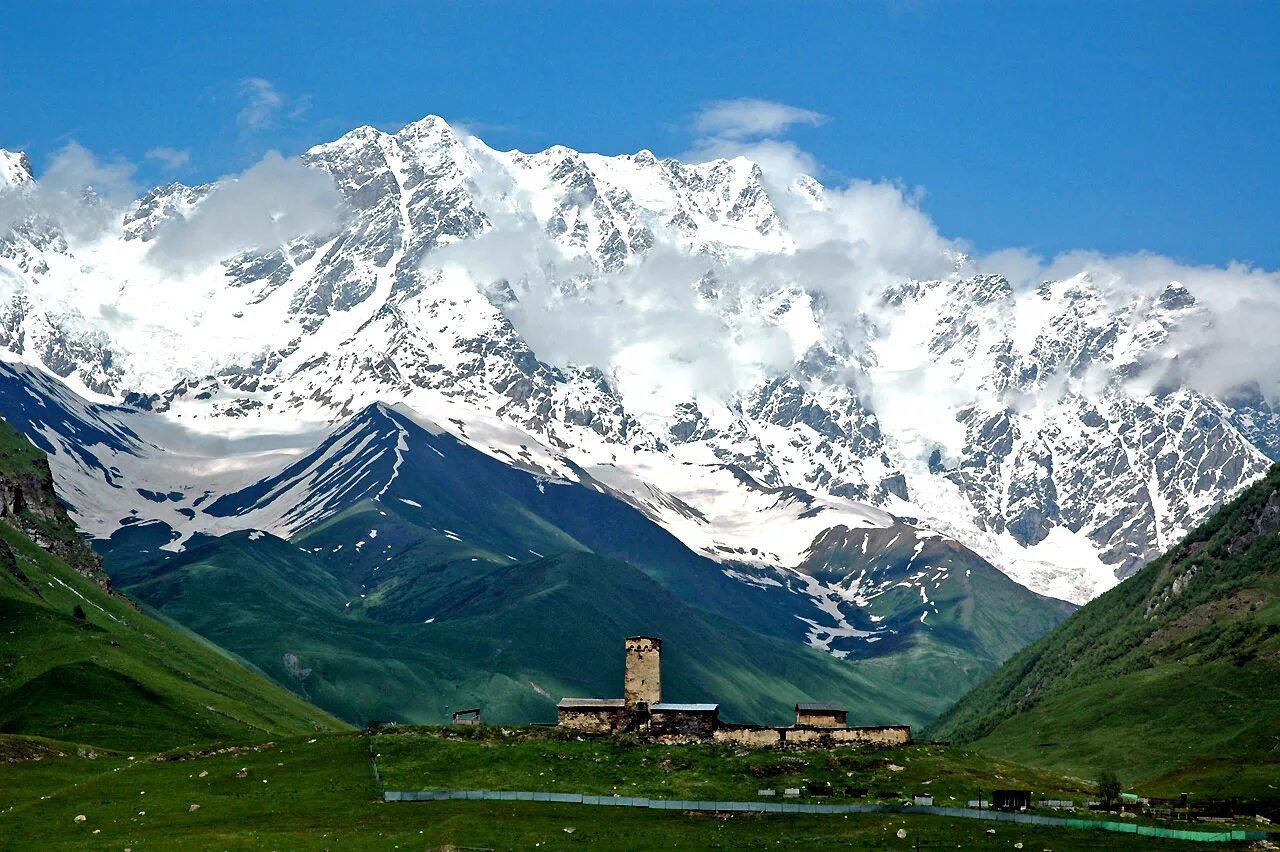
x: 821, y: 716
x: 684, y: 720
x: 1011, y: 800
x: 467, y: 717
x: 595, y: 715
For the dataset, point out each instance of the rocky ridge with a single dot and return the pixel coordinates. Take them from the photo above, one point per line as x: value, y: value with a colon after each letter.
x: 1051, y: 452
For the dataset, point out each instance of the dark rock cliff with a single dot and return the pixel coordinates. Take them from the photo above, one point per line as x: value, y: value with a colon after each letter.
x: 29, y: 502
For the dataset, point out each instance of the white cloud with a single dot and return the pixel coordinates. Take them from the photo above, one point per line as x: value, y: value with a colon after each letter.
x: 744, y: 118
x: 883, y: 230
x: 781, y: 161
x: 651, y: 328
x: 263, y: 103
x: 664, y: 333
x: 672, y: 325
x: 1233, y: 339
x: 750, y: 127
x: 78, y: 191
x: 275, y: 201
x: 172, y: 158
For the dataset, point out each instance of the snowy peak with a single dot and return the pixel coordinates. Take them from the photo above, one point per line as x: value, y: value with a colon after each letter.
x: 15, y: 170
x: 162, y: 204
x: 525, y: 301
x: 431, y: 133
x: 358, y: 461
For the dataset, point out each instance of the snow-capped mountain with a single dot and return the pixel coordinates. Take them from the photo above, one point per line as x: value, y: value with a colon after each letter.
x: 679, y: 334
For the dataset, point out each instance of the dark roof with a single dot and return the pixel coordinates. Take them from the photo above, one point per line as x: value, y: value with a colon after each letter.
x: 819, y: 708
x: 596, y: 703
x: 684, y: 708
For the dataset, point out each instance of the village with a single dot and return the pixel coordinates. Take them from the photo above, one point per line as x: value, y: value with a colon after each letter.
x: 642, y: 712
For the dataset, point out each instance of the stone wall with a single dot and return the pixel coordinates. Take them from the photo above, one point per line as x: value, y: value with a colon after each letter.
x: 606, y: 720
x: 748, y: 736
x: 754, y: 737
x: 883, y: 735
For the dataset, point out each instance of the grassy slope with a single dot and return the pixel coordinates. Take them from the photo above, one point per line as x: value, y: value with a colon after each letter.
x: 117, y: 678
x: 18, y: 456
x: 1170, y: 678
x: 320, y: 794
x: 512, y: 638
x: 539, y: 759
x: 434, y: 597
x: 983, y: 619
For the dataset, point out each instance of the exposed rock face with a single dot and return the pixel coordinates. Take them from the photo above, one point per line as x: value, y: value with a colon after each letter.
x: 1041, y: 439
x: 29, y: 502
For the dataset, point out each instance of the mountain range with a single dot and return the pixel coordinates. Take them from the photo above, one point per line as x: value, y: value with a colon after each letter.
x: 796, y: 444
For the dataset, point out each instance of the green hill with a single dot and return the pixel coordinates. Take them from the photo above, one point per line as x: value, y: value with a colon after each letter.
x: 1171, y: 679
x: 512, y: 638
x: 81, y: 663
x: 465, y: 581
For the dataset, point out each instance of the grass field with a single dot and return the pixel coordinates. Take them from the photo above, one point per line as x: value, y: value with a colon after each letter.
x: 556, y: 761
x: 319, y: 793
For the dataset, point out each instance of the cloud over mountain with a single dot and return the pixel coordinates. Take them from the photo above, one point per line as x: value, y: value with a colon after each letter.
x: 1065, y: 417
x: 273, y: 202
x: 80, y: 192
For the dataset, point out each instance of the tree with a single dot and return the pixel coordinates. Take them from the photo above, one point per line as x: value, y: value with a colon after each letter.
x: 1108, y: 788
x: 78, y: 612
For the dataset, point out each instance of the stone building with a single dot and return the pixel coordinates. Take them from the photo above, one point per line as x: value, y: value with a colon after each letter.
x: 698, y: 721
x: 641, y: 708
x: 821, y: 716
x: 594, y: 715
x: 642, y: 711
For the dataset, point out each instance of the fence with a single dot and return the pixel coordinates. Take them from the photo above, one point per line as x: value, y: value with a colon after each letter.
x: 800, y: 808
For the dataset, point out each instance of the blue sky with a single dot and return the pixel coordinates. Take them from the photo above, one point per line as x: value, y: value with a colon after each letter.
x: 1120, y: 126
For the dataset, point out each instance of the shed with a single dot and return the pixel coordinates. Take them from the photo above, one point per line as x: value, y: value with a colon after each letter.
x: 596, y: 715
x: 1011, y: 800
x: 467, y: 717
x: 821, y: 716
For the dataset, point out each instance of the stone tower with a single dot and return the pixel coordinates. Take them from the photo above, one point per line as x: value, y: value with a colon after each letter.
x: 644, y: 672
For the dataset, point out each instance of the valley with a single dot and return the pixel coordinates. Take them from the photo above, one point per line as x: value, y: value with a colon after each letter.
x: 346, y: 454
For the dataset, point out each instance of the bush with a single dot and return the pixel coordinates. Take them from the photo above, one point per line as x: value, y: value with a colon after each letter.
x: 78, y: 612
